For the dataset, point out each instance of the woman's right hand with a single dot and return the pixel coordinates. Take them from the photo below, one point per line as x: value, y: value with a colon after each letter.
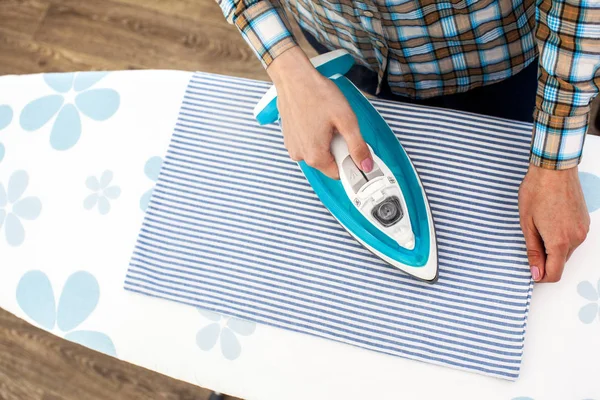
x: 312, y: 111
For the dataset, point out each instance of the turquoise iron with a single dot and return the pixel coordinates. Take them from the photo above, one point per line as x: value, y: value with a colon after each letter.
x: 386, y: 210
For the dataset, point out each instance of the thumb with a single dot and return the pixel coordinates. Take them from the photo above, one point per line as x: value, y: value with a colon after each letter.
x: 536, y: 253
x: 359, y: 151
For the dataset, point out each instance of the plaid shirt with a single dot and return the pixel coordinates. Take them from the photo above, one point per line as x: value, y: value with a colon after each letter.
x: 436, y: 47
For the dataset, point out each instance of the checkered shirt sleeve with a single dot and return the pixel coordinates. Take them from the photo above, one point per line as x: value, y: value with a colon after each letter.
x: 263, y: 24
x: 568, y: 36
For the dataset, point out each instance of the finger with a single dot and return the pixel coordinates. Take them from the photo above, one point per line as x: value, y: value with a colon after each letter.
x: 330, y: 169
x: 324, y: 162
x: 578, y: 236
x: 291, y: 146
x: 536, y: 253
x: 293, y: 151
x: 295, y: 156
x: 555, y: 264
x: 359, y: 151
x: 570, y: 253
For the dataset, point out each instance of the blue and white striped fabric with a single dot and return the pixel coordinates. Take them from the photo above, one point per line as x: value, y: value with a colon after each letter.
x: 234, y: 227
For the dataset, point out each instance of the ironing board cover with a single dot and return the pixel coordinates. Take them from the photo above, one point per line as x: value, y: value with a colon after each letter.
x: 81, y: 207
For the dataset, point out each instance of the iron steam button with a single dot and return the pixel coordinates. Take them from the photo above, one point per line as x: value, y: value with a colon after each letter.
x: 353, y: 174
x: 375, y: 172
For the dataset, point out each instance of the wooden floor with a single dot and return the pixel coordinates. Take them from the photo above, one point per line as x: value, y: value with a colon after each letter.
x: 35, y: 365
x: 79, y: 35
x: 70, y: 35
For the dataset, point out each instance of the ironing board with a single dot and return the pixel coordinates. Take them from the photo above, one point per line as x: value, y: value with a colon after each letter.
x: 77, y: 217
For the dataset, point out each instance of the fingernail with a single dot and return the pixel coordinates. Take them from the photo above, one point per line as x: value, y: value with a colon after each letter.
x: 535, y: 273
x: 367, y: 165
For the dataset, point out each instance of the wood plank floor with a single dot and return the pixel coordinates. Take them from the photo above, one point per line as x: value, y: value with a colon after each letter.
x: 35, y: 365
x: 68, y: 35
x: 79, y: 35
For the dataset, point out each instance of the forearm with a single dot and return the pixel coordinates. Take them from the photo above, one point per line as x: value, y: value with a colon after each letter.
x: 569, y: 45
x: 263, y: 24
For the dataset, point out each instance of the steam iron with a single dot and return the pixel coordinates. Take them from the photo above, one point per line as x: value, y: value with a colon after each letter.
x: 386, y: 210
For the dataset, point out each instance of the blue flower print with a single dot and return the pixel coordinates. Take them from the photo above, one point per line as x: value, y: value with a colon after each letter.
x: 589, y: 312
x: 590, y: 184
x: 73, y: 96
x: 151, y: 169
x: 77, y: 302
x: 226, y: 329
x: 13, y: 207
x: 102, y: 192
x: 6, y: 115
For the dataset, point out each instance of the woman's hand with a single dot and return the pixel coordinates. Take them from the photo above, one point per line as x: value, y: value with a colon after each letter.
x: 312, y: 110
x: 554, y: 219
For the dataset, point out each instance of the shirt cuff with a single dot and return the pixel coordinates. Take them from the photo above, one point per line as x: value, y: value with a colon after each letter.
x: 557, y: 141
x: 266, y: 30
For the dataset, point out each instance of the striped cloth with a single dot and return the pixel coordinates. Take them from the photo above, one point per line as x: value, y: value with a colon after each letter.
x: 234, y: 227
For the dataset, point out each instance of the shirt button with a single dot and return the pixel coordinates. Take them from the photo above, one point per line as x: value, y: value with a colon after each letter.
x: 368, y: 14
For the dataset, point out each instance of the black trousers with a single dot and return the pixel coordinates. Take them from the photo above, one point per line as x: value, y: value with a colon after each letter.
x: 512, y: 98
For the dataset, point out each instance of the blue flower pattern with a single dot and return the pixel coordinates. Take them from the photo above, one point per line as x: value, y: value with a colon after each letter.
x: 73, y: 97
x: 77, y: 302
x: 14, y: 207
x: 589, y: 312
x: 6, y: 116
x: 224, y: 328
x: 151, y: 170
x: 102, y: 192
x: 590, y: 184
x: 80, y: 295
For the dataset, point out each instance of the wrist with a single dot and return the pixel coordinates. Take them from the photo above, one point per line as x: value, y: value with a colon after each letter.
x: 545, y: 173
x: 289, y: 66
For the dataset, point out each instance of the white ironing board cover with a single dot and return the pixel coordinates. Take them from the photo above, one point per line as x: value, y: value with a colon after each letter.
x: 72, y: 240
